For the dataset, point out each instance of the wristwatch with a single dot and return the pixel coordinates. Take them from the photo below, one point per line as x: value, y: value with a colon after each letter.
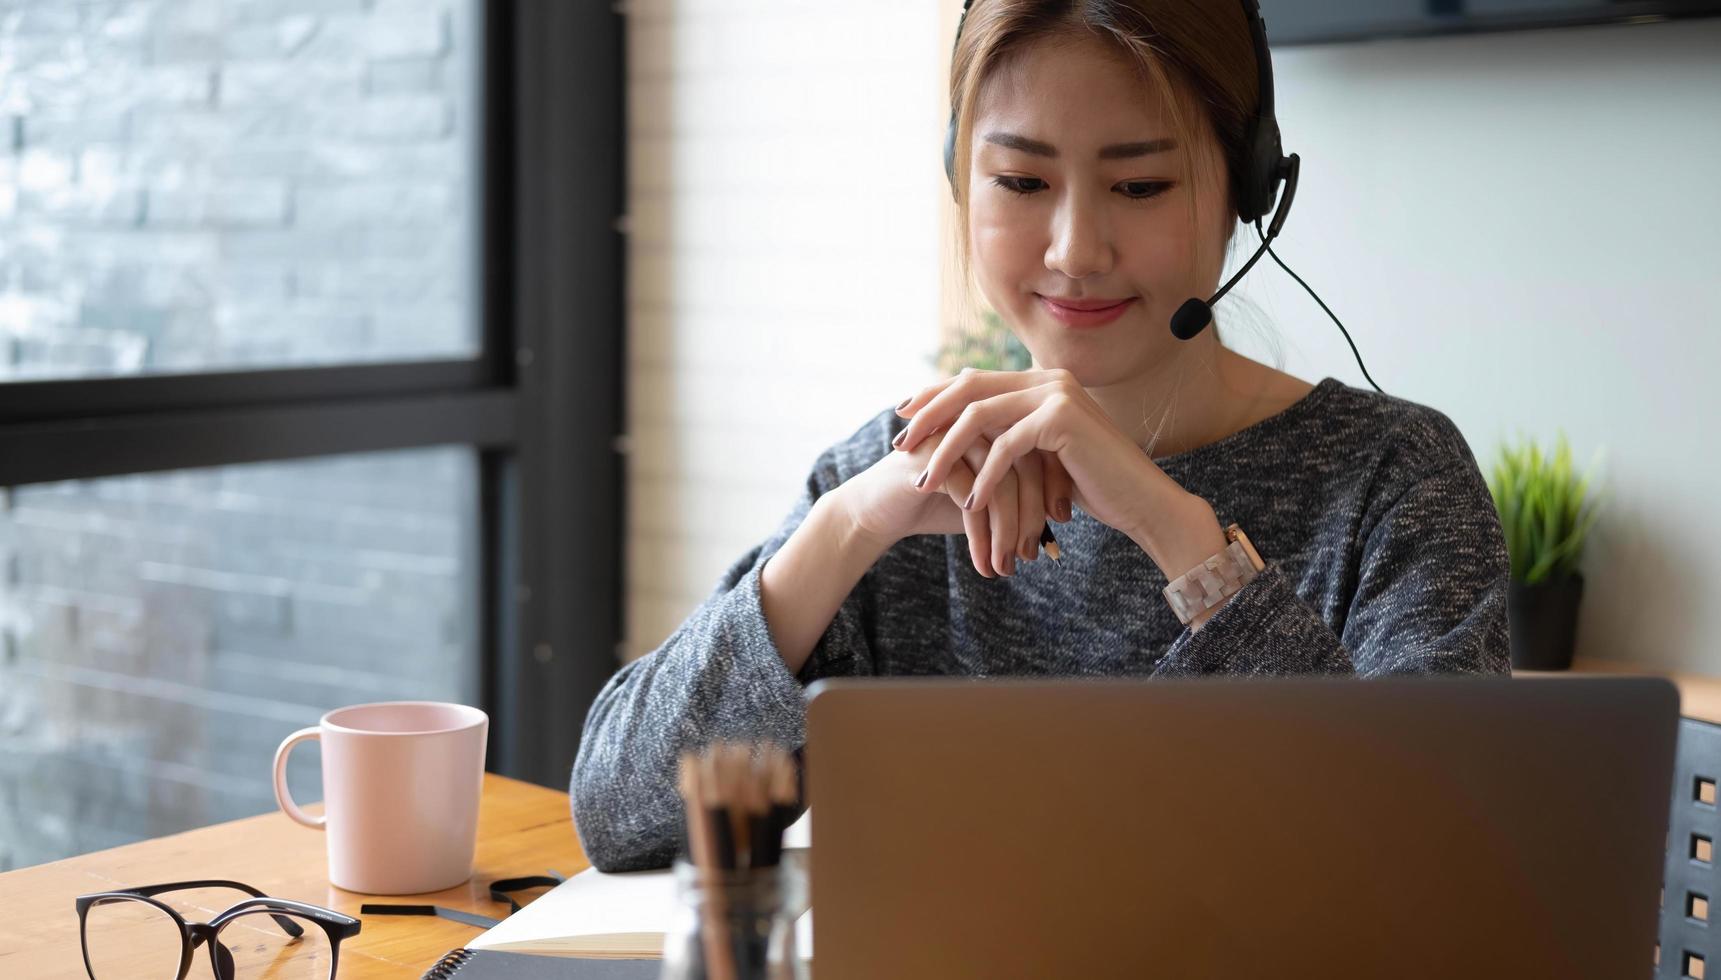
x: 1203, y: 586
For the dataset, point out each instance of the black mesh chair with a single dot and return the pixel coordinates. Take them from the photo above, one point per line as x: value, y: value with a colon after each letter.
x: 1688, y: 946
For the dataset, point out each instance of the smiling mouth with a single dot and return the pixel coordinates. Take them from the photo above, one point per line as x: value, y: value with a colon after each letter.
x: 1086, y: 305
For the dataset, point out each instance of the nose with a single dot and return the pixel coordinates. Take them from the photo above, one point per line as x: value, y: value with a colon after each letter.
x: 1080, y: 243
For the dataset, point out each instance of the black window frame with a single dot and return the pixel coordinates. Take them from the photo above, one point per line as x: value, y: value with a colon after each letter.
x: 541, y: 402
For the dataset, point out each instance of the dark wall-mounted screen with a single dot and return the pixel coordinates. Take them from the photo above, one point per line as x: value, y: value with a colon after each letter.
x: 1319, y: 21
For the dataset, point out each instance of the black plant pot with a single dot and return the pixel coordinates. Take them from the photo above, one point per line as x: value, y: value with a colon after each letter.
x: 1543, y: 619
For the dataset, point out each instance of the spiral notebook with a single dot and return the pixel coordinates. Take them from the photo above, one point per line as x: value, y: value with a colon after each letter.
x: 489, y: 964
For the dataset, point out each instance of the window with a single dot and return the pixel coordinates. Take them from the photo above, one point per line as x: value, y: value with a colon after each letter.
x: 300, y: 403
x: 161, y: 633
x: 196, y: 185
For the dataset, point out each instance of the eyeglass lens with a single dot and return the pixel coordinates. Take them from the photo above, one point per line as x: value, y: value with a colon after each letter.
x: 262, y: 949
x: 127, y: 939
x: 130, y: 939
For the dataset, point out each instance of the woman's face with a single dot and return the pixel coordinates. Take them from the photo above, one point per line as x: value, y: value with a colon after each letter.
x: 1078, y: 194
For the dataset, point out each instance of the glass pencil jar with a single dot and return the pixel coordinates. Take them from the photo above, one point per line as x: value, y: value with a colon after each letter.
x: 745, y: 916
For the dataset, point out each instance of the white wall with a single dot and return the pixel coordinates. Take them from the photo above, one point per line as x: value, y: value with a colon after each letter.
x: 1521, y: 230
x: 784, y: 189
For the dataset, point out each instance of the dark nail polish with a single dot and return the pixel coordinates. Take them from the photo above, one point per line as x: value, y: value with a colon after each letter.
x: 969, y: 503
x: 1064, y: 509
x: 922, y: 481
x: 905, y: 402
x: 897, y: 442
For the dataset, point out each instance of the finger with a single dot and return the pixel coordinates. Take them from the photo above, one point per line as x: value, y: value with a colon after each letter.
x: 1059, y: 488
x: 1016, y: 442
x: 977, y: 420
x: 922, y: 455
x: 913, y: 403
x: 1000, y: 521
x: 959, y: 484
x: 1001, y: 515
x: 977, y: 525
x: 1030, y: 506
x: 945, y: 408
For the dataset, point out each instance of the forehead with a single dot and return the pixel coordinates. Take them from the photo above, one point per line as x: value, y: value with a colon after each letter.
x: 1071, y: 92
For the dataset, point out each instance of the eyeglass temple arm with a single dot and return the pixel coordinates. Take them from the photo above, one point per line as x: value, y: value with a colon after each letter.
x: 287, y: 925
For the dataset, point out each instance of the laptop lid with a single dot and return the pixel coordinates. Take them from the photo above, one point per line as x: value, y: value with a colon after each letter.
x: 1406, y: 827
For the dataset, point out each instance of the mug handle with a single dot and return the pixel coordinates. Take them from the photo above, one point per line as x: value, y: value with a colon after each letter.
x: 284, y: 798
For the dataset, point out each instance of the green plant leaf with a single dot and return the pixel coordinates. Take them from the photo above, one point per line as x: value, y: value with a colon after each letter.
x: 1546, y: 511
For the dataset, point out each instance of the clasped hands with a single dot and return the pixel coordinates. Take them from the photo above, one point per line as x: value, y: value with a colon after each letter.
x: 1013, y: 449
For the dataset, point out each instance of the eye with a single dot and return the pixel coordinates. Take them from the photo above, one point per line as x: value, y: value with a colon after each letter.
x: 1141, y: 190
x: 1134, y: 190
x: 1013, y: 184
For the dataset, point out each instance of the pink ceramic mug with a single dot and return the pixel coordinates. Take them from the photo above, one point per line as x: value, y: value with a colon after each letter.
x: 401, y: 781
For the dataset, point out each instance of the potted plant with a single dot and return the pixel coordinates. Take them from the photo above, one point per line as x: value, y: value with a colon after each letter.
x: 1546, y: 515
x: 989, y: 346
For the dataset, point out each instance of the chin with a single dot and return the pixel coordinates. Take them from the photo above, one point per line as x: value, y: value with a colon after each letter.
x: 1095, y: 366
x: 1097, y: 361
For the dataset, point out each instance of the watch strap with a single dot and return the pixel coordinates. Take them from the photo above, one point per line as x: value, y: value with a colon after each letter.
x: 1210, y: 582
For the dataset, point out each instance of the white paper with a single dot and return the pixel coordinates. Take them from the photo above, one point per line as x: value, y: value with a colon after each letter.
x: 590, y: 903
x: 799, y: 833
x: 594, y: 904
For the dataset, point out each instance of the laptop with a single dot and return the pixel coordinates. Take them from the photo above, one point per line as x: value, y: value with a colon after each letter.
x: 1294, y: 827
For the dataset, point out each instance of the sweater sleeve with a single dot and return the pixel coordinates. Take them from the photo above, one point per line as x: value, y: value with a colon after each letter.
x: 1430, y: 598
x: 718, y: 676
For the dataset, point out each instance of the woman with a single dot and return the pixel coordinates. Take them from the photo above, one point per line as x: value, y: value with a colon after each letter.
x: 1094, y: 169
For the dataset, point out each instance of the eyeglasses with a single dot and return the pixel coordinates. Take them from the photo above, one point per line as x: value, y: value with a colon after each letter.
x: 130, y: 935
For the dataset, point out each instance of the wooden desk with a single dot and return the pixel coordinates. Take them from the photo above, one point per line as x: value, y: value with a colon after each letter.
x: 522, y: 829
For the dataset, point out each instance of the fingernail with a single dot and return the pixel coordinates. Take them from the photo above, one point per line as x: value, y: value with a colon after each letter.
x: 969, y: 503
x: 905, y: 402
x: 1010, y: 566
x: 1064, y: 509
x: 897, y: 442
x: 922, y: 481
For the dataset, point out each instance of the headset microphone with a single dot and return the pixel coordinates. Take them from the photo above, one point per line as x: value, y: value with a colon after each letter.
x: 1192, y: 317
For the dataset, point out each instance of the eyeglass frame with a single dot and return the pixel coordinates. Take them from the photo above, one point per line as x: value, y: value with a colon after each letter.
x: 336, y: 925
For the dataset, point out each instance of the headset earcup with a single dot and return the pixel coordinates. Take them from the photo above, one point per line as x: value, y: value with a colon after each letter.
x: 950, y: 154
x: 1260, y: 187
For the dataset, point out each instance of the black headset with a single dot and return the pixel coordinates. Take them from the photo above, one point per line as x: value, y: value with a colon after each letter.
x: 1256, y: 187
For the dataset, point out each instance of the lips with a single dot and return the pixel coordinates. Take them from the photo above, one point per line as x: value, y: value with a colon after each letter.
x: 1089, y: 312
x: 1086, y: 305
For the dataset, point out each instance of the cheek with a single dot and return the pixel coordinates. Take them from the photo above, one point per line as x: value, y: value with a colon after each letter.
x: 1006, y: 250
x: 1159, y: 250
x: 1169, y: 251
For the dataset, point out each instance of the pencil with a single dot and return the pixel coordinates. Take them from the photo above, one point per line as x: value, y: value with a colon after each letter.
x: 704, y: 815
x: 1050, y: 542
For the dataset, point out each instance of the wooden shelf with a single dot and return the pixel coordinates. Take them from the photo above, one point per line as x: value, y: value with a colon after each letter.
x: 1699, y: 694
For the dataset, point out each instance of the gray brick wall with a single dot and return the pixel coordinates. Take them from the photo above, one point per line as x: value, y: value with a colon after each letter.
x: 196, y: 184
x: 190, y: 184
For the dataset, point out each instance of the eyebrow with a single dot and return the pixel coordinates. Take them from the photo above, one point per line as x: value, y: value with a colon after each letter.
x: 1117, y: 151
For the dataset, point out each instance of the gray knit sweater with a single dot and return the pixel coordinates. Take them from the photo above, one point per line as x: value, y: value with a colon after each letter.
x: 1384, y: 556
